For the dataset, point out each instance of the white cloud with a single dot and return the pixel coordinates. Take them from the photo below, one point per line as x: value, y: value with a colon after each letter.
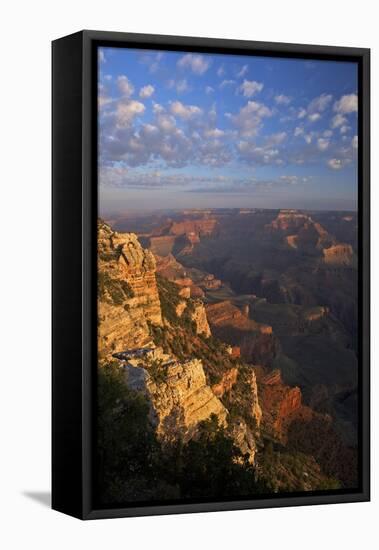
x: 209, y: 90
x: 157, y: 108
x: 302, y: 113
x: 225, y: 83
x: 347, y: 104
x: 102, y: 56
x: 180, y: 86
x: 338, y: 120
x: 154, y: 64
x: 258, y: 154
x: 165, y: 122
x: 197, y: 63
x: 291, y: 180
x: 308, y: 138
x: 335, y: 164
x: 249, y: 118
x: 146, y: 91
x: 242, y: 71
x: 126, y: 111
x: 327, y: 133
x: 354, y: 142
x: 185, y: 111
x: 320, y: 103
x: 276, y: 139
x: 125, y: 86
x: 323, y: 144
x: 251, y: 87
x: 298, y: 131
x: 282, y: 99
x: 313, y: 117
x: 344, y: 129
x: 214, y: 133
x: 221, y: 71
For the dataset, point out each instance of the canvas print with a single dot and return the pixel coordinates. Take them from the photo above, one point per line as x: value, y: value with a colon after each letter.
x: 227, y: 301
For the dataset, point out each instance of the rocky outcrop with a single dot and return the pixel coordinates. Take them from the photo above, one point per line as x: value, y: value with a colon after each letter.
x: 281, y: 405
x: 244, y: 439
x: 255, y: 340
x: 127, y: 292
x: 199, y: 316
x: 288, y: 220
x: 178, y: 394
x: 340, y: 255
x: 226, y: 383
x: 195, y: 228
x: 162, y: 245
x: 300, y: 230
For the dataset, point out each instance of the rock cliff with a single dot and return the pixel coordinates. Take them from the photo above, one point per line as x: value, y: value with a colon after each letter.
x: 256, y: 340
x: 281, y: 405
x: 178, y: 394
x: 127, y: 292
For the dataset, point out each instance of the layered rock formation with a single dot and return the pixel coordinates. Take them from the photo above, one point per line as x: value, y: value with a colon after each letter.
x: 281, y: 405
x: 228, y: 379
x: 199, y: 317
x: 255, y: 340
x: 178, y: 394
x: 195, y: 227
x: 300, y: 230
x: 127, y: 295
x: 339, y: 255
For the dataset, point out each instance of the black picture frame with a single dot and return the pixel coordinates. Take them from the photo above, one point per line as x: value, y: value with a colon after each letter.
x: 74, y: 206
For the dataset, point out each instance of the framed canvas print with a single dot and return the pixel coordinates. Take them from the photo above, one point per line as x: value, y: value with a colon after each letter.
x: 210, y: 275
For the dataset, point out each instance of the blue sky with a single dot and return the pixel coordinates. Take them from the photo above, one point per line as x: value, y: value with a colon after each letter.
x: 180, y: 130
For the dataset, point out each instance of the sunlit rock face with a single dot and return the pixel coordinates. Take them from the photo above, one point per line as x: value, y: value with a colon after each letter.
x: 127, y: 292
x: 178, y: 394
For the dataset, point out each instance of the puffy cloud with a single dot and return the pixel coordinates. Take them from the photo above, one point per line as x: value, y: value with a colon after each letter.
x: 146, y: 91
x: 157, y: 108
x: 338, y: 120
x: 302, y: 113
x: 185, y: 111
x: 344, y: 129
x: 221, y: 71
x: 125, y: 86
x: 347, y: 104
x: 251, y: 87
x: 276, y: 139
x: 320, y: 103
x: 354, y: 142
x: 282, y: 99
x: 165, y: 122
x: 214, y: 133
x: 242, y: 71
x: 258, y: 154
x: 323, y: 144
x: 313, y: 117
x: 335, y: 164
x: 299, y: 131
x: 180, y: 86
x: 209, y: 90
x: 249, y: 118
x: 198, y: 64
x: 127, y: 110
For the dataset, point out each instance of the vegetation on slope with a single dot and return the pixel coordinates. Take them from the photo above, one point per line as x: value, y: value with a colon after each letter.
x: 133, y: 466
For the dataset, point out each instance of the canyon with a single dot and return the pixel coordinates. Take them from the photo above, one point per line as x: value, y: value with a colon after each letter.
x: 244, y: 318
